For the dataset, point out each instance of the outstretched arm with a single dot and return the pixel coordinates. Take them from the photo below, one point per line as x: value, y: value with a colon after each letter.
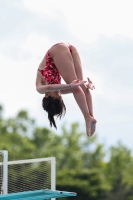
x: 51, y: 88
x: 54, y: 87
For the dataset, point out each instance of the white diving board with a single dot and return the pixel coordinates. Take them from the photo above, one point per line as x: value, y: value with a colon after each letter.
x: 37, y: 195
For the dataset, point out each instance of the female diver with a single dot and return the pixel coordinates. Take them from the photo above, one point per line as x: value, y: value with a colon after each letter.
x: 63, y: 60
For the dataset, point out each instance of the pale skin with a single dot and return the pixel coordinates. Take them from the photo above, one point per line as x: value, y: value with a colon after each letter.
x: 70, y: 68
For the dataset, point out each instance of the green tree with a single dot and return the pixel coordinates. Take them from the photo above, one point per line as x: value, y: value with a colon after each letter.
x: 119, y: 172
x: 81, y: 166
x: 66, y: 147
x: 13, y: 133
x: 88, y: 184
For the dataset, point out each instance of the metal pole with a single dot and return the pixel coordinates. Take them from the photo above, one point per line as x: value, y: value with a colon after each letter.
x: 53, y: 174
x: 5, y: 171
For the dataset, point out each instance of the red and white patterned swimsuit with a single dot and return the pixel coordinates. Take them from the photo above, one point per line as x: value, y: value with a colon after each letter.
x: 50, y: 72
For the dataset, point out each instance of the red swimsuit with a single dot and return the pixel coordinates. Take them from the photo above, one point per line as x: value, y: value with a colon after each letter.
x: 50, y: 72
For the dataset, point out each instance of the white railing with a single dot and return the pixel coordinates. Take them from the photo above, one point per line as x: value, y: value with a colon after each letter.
x: 4, y: 171
x: 5, y: 166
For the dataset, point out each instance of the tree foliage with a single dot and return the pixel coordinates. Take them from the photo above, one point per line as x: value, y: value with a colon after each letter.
x: 81, y: 165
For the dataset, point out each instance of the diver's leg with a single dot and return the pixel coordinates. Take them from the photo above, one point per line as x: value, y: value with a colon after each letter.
x: 79, y: 73
x: 64, y: 63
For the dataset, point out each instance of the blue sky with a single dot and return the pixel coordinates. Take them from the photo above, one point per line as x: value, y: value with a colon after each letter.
x: 101, y: 31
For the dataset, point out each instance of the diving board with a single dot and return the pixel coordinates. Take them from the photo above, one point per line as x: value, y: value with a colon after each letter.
x: 37, y: 195
x: 31, y: 179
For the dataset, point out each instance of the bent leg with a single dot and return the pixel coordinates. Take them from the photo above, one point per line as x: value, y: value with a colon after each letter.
x: 64, y: 62
x: 79, y: 73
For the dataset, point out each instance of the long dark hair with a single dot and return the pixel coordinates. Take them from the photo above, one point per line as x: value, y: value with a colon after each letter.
x: 53, y: 106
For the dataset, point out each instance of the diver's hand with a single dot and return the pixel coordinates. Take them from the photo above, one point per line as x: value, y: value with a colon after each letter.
x: 77, y: 83
x: 89, y: 84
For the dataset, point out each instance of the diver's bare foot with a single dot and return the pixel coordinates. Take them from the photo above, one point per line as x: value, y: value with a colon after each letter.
x: 90, y: 126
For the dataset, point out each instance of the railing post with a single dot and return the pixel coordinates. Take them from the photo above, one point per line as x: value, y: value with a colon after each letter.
x: 4, y: 189
x: 53, y: 174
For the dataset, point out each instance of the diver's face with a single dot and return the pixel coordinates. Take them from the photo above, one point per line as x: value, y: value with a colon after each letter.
x: 55, y: 94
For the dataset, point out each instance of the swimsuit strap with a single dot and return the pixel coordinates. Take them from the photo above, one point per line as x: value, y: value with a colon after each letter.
x: 40, y: 70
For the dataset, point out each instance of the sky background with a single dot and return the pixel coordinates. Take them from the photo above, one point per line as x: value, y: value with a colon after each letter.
x: 103, y: 34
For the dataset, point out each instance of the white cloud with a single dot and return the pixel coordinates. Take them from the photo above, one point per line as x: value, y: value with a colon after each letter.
x: 87, y: 19
x: 17, y: 84
x: 41, y: 6
x: 37, y: 44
